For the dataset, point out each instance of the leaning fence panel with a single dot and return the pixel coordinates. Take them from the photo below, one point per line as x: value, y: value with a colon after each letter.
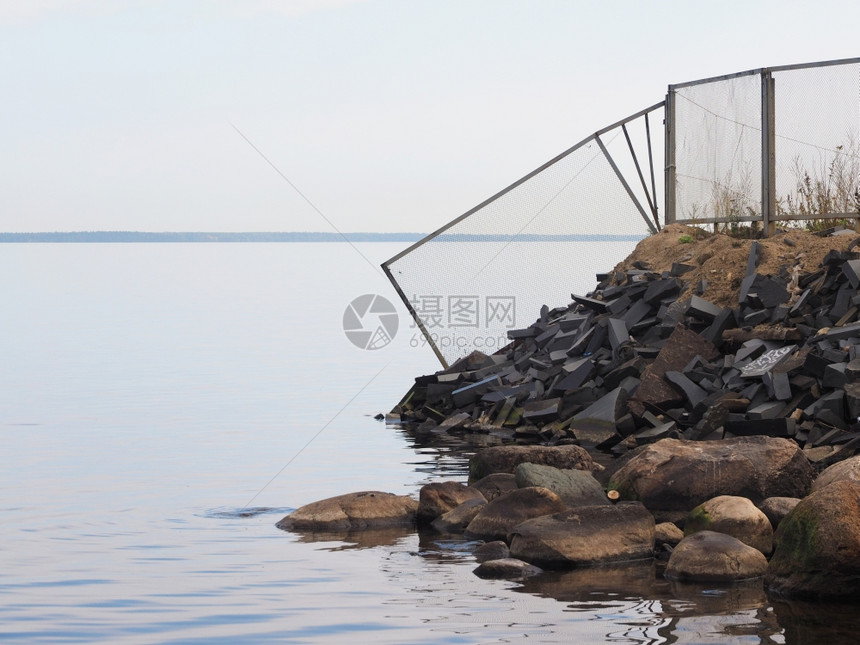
x: 535, y: 243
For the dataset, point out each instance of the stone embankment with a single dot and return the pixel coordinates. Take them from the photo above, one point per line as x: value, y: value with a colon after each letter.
x: 701, y: 407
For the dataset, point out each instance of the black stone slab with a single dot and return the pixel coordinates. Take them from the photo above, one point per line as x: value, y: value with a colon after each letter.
x: 767, y: 361
x: 781, y: 427
x: 703, y: 310
x: 692, y: 392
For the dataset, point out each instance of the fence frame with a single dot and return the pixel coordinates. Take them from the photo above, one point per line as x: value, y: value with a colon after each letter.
x: 653, y: 226
x: 769, y: 214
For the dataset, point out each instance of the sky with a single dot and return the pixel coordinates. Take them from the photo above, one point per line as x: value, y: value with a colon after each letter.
x: 346, y: 115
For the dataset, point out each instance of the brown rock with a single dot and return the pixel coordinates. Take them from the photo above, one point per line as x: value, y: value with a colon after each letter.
x: 708, y: 556
x: 817, y: 545
x: 672, y: 476
x: 458, y: 519
x: 667, y: 533
x: 847, y: 470
x: 368, y: 509
x: 495, y: 550
x: 497, y: 518
x: 494, y: 485
x: 440, y: 497
x: 505, y: 459
x: 586, y: 535
x: 654, y: 393
x: 735, y: 516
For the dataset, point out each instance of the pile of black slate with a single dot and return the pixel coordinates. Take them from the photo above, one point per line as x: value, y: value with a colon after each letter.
x: 631, y: 363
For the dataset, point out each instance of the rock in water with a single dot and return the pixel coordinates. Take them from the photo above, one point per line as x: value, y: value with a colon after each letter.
x: 817, y: 545
x: 368, y: 509
x: 587, y: 535
x: 438, y: 498
x: 708, y: 556
x: 497, y: 518
x: 735, y: 516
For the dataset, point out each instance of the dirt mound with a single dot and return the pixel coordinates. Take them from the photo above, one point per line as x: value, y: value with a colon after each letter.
x: 721, y: 260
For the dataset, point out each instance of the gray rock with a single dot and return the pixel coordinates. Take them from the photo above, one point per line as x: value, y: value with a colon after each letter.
x: 708, y: 556
x: 575, y: 487
x: 587, y: 535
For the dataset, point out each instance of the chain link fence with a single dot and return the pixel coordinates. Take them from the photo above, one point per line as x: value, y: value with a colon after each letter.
x: 767, y: 145
x: 761, y: 146
x: 492, y: 269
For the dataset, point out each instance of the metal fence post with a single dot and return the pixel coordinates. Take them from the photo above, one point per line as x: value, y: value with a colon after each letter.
x: 669, y: 217
x: 768, y: 155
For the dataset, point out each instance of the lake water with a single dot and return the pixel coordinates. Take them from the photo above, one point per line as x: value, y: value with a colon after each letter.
x: 162, y: 406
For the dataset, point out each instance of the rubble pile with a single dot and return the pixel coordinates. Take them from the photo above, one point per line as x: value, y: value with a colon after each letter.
x: 703, y: 337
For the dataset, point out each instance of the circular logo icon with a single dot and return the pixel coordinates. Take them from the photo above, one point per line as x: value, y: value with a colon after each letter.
x: 370, y: 321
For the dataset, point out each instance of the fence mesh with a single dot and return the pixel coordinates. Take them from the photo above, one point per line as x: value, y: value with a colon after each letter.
x: 718, y: 149
x: 817, y: 140
x: 534, y: 244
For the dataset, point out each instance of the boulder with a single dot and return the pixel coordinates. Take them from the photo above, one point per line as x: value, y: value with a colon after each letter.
x: 673, y: 476
x: 458, y: 518
x: 497, y: 518
x: 575, y: 487
x: 735, y: 516
x: 440, y: 497
x: 494, y: 485
x: 505, y: 459
x: 849, y: 469
x: 776, y: 508
x: 353, y: 511
x: 507, y: 568
x: 586, y: 535
x: 817, y: 545
x: 708, y: 556
x: 667, y: 533
x: 495, y: 550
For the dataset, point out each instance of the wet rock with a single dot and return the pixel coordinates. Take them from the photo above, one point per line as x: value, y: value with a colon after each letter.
x: 776, y: 508
x: 368, y: 509
x: 673, y: 476
x: 507, y: 568
x: 498, y: 517
x: 438, y: 498
x: 457, y: 519
x: 735, y: 516
x: 584, y: 536
x: 817, y: 546
x: 708, y: 556
x: 495, y: 550
x: 505, y: 459
x: 574, y: 487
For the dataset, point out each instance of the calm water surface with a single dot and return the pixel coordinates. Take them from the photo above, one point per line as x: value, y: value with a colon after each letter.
x: 163, y: 405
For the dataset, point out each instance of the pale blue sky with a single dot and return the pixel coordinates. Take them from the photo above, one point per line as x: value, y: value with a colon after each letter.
x: 388, y: 115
